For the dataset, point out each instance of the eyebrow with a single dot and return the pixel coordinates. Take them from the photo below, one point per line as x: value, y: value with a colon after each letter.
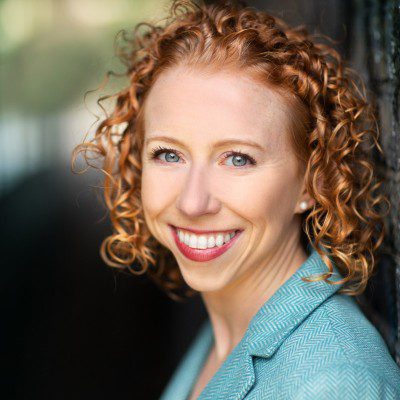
x: 220, y: 143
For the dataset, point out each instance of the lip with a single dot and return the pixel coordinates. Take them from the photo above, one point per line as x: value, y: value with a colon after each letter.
x: 202, y: 255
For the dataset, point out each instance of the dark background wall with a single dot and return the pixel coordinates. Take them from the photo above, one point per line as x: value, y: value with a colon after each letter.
x: 379, y: 28
x: 74, y: 329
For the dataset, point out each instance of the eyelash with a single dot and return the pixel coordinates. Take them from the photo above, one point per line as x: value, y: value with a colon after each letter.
x: 160, y: 149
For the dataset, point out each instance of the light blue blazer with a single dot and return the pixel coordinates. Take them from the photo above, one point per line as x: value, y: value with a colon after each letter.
x: 306, y: 342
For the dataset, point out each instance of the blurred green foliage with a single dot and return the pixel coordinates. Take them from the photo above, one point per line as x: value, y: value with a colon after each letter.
x: 53, y: 51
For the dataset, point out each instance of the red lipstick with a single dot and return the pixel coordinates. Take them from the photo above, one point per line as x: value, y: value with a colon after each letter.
x: 202, y: 255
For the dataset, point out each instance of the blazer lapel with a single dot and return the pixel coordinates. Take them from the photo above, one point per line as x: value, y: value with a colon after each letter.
x: 294, y: 301
x: 270, y: 326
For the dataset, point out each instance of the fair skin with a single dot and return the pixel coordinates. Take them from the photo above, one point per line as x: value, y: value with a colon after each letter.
x: 198, y: 186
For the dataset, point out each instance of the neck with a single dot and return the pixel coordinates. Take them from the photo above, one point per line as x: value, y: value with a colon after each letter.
x: 231, y: 309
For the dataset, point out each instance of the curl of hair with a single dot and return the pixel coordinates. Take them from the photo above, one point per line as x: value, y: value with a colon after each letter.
x: 334, y: 131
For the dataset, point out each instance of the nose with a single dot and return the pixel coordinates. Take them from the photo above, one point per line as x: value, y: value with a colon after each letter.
x: 196, y: 198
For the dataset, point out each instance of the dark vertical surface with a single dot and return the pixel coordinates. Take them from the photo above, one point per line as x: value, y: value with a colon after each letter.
x: 376, y: 41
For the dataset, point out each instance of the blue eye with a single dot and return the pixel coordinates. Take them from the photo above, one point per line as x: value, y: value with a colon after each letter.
x: 169, y: 152
x: 239, y: 159
x: 171, y: 156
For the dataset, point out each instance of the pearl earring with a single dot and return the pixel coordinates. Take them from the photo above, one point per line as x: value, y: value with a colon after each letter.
x: 303, y: 205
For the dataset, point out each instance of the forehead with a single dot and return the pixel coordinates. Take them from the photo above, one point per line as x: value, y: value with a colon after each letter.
x: 193, y: 102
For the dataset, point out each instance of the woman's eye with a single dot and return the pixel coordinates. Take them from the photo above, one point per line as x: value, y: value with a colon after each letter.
x: 240, y: 159
x: 169, y: 155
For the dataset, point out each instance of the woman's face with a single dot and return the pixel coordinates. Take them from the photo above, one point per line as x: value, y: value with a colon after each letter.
x: 194, y: 122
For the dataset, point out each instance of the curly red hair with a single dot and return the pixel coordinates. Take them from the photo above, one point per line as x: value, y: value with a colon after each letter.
x: 333, y: 132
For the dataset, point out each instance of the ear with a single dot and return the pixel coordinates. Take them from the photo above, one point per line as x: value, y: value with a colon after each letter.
x: 304, y: 201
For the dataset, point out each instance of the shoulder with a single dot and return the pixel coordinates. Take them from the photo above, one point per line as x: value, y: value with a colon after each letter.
x: 347, y: 381
x: 339, y: 332
x: 353, y: 337
x: 335, y: 352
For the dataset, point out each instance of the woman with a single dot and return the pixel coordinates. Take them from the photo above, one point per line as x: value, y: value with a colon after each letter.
x: 237, y: 167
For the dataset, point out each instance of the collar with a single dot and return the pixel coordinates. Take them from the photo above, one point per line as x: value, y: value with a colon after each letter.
x: 272, y: 324
x: 289, y: 306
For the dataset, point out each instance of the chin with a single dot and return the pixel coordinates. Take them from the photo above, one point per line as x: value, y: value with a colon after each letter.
x: 203, y: 284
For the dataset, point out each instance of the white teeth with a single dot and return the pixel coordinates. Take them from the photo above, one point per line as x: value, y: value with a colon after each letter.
x: 211, y: 242
x: 187, y: 238
x: 204, y: 241
x: 193, y: 241
x: 219, y: 240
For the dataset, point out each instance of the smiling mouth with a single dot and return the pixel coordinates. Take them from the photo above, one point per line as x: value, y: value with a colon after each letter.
x: 208, y: 250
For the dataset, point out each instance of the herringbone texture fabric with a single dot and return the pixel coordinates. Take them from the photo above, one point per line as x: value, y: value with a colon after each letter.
x: 306, y: 342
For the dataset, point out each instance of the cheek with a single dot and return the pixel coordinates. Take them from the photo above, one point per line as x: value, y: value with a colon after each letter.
x: 157, y: 190
x: 265, y: 196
